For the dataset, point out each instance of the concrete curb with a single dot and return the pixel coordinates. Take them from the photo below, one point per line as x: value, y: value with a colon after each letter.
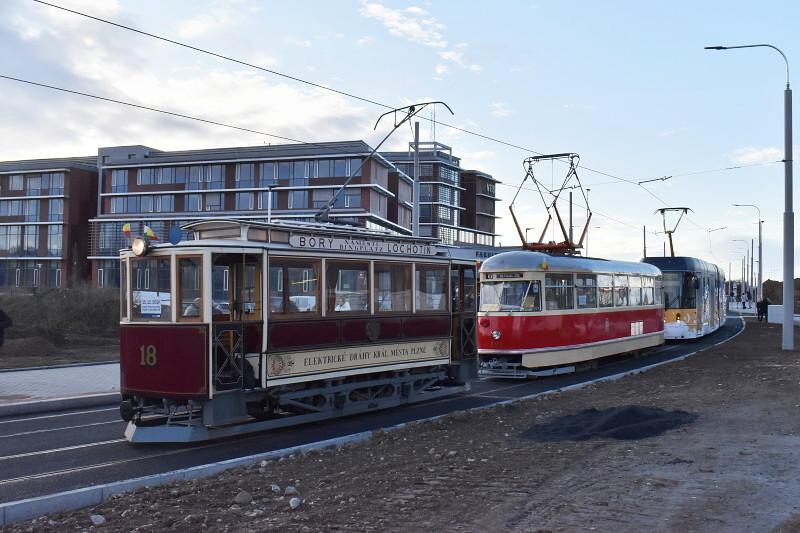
x: 58, y: 404
x: 52, y: 367
x: 21, y: 510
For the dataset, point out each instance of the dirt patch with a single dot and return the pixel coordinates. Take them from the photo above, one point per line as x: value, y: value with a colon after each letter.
x: 38, y: 351
x: 629, y: 422
x: 735, y: 468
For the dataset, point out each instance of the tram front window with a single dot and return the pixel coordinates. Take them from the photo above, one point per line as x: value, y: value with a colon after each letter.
x: 150, y: 289
x: 511, y: 296
x: 679, y: 291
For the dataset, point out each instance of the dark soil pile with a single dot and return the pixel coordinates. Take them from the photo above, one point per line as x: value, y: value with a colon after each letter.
x: 629, y: 422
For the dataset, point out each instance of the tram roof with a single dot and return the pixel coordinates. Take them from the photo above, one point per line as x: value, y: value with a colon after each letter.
x: 528, y: 260
x: 682, y: 264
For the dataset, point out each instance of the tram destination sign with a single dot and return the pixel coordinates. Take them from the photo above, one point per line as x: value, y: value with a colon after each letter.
x: 332, y: 244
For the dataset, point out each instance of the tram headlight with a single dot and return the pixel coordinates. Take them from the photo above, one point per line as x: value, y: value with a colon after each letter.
x: 678, y: 317
x: 139, y: 246
x: 496, y: 335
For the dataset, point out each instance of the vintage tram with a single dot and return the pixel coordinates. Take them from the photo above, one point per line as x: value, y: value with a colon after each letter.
x: 543, y: 314
x: 694, y: 296
x: 252, y: 326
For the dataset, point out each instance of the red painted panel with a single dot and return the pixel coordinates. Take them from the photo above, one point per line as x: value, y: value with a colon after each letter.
x: 300, y: 334
x: 543, y: 331
x: 427, y: 326
x: 179, y: 367
x: 358, y: 329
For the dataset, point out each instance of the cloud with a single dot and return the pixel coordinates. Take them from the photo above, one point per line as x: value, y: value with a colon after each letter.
x: 302, y: 43
x: 409, y: 23
x: 441, y: 69
x: 754, y: 154
x: 499, y: 109
x: 416, y: 25
x: 365, y: 41
x: 206, y: 23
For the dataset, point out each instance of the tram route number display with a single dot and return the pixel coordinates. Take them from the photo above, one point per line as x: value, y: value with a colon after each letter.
x: 338, y: 359
x: 360, y: 245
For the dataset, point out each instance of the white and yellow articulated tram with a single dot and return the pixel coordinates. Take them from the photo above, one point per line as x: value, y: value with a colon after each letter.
x: 693, y: 295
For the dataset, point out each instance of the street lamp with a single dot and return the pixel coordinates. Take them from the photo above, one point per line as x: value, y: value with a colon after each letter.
x: 788, y: 213
x: 710, y: 231
x: 744, y: 266
x: 760, y: 289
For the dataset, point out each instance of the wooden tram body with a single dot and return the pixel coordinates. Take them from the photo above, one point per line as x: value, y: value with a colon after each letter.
x: 694, y: 296
x: 543, y: 314
x: 253, y: 326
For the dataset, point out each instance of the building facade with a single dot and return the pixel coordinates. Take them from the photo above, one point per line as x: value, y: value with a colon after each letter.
x: 45, y: 205
x: 142, y: 186
x: 457, y: 205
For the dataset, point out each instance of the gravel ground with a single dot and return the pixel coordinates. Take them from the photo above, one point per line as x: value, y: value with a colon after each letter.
x: 735, y: 467
x: 36, y: 351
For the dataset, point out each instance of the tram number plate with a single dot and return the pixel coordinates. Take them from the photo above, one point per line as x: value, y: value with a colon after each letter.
x: 149, y: 355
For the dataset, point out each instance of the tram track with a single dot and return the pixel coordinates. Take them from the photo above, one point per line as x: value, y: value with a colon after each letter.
x: 55, y: 467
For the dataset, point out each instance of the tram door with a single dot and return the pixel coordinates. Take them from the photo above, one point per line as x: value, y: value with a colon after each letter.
x: 463, y: 292
x: 237, y: 316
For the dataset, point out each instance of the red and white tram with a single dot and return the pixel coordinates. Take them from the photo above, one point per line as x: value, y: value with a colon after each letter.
x: 543, y: 314
x: 254, y: 326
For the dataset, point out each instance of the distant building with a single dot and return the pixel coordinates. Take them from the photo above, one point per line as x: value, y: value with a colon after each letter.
x: 456, y: 205
x: 141, y: 186
x: 44, y: 208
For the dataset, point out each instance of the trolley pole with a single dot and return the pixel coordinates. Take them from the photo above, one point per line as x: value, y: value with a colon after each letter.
x: 570, y: 218
x: 644, y: 240
x: 415, y: 212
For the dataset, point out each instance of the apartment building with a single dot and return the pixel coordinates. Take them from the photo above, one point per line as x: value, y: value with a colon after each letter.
x: 456, y: 205
x: 139, y: 185
x: 45, y: 205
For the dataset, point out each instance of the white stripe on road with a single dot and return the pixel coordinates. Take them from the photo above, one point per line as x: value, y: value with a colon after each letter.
x: 58, y: 415
x: 64, y: 449
x: 35, y: 431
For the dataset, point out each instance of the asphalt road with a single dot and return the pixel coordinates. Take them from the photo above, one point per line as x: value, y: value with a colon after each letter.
x: 53, y: 452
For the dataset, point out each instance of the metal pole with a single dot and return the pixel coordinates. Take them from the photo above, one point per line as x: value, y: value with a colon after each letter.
x: 570, y: 218
x: 752, y: 276
x: 415, y: 212
x: 788, y: 225
x: 760, y: 262
x: 644, y: 240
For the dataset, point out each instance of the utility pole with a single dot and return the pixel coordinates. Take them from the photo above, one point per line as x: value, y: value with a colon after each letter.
x: 752, y: 275
x: 570, y: 218
x: 644, y: 240
x: 415, y: 213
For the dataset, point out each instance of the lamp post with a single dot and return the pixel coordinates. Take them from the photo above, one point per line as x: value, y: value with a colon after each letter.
x: 744, y: 264
x: 760, y: 289
x: 788, y: 213
x: 709, y: 238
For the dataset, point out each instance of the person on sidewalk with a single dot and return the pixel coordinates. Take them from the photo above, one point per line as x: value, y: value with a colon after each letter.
x: 760, y: 309
x: 5, y: 322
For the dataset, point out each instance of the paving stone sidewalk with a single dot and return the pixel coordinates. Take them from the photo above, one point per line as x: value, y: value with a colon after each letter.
x: 64, y: 382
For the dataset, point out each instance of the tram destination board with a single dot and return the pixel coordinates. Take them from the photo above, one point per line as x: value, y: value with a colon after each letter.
x: 360, y: 245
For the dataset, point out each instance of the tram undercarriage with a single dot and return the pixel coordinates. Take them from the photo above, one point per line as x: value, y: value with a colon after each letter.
x: 237, y: 412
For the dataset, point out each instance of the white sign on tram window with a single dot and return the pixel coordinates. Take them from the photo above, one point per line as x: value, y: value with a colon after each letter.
x: 149, y: 304
x: 360, y: 245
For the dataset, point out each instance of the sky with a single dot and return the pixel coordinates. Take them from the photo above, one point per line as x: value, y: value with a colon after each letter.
x: 626, y: 85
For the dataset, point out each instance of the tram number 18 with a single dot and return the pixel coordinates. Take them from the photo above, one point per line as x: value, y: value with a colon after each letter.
x: 149, y: 356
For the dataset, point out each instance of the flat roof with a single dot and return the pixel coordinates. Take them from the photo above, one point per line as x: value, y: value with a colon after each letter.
x: 34, y: 165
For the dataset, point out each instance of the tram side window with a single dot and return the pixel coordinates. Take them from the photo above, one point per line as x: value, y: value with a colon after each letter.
x: 658, y: 291
x: 431, y: 291
x: 190, y: 284
x: 635, y: 291
x: 605, y: 290
x: 586, y: 290
x: 293, y: 287
x: 620, y: 290
x: 648, y: 286
x: 469, y: 290
x: 392, y: 287
x: 150, y: 289
x: 348, y: 287
x: 558, y: 289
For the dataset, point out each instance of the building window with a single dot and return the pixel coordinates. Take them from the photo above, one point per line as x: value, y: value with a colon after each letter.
x: 267, y: 197
x: 31, y: 240
x: 267, y: 173
x: 195, y: 178
x: 215, y: 175
x: 299, y: 173
x: 55, y: 210
x: 194, y: 202
x: 245, y: 175
x: 119, y: 180
x: 166, y: 203
x: 214, y: 201
x: 244, y: 201
x: 54, y: 240
x: 148, y: 176
x: 167, y: 175
x: 181, y: 174
x: 33, y: 186
x: 55, y: 182
x: 118, y: 204
x: 284, y: 170
x: 321, y: 197
x: 15, y: 182
x: 355, y: 167
x: 298, y: 200
x: 31, y: 210
x: 146, y: 204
